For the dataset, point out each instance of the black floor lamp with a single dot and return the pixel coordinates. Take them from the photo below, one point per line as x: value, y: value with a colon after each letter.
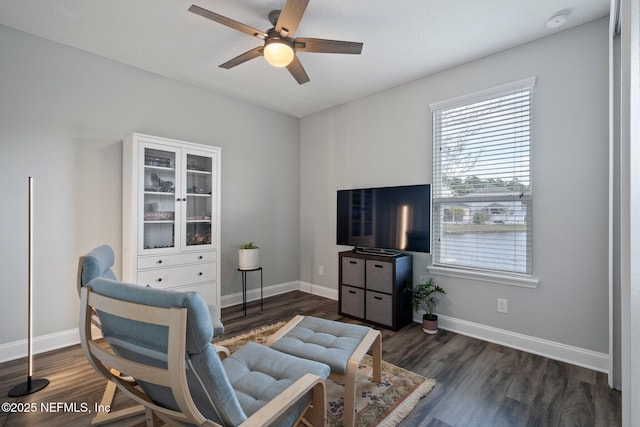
x: 31, y: 385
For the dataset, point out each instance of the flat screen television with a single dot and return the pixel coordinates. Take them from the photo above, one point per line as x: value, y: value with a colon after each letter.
x: 385, y: 218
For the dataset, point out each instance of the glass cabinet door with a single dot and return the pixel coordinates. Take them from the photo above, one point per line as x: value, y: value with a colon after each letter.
x: 199, y: 185
x: 159, y: 201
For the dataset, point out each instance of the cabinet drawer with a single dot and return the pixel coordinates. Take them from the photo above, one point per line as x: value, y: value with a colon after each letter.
x: 352, y: 301
x: 380, y: 276
x: 171, y: 260
x: 178, y: 276
x: 208, y: 291
x: 379, y: 308
x: 353, y: 271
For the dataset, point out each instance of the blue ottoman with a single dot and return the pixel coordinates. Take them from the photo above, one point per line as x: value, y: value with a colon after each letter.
x: 339, y: 345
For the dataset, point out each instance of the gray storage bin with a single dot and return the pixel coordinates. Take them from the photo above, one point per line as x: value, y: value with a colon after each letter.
x: 379, y: 308
x: 352, y: 302
x: 379, y: 276
x: 353, y: 271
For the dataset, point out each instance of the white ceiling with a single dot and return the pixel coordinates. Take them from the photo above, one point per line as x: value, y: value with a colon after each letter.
x: 403, y: 40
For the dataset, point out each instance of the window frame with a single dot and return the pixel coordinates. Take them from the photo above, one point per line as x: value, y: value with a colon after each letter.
x: 511, y: 277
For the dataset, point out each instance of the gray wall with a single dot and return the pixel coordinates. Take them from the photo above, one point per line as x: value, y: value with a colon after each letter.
x: 63, y: 114
x: 385, y: 139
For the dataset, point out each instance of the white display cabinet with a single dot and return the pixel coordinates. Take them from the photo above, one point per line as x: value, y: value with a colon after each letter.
x: 171, y: 214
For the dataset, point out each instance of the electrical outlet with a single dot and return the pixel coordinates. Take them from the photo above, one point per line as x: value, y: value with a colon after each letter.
x: 502, y: 305
x: 321, y: 270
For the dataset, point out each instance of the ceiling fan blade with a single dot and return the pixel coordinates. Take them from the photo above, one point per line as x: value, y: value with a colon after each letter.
x: 290, y: 17
x: 297, y: 71
x: 228, y: 22
x: 250, y: 54
x: 326, y: 46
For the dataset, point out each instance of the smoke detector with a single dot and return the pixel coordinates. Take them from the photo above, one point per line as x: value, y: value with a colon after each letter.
x: 558, y: 19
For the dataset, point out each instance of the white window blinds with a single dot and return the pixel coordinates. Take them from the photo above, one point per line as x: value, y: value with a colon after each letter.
x: 482, y: 180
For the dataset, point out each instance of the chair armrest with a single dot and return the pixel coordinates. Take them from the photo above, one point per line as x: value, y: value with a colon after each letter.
x: 276, y: 407
x: 283, y: 331
x: 222, y: 351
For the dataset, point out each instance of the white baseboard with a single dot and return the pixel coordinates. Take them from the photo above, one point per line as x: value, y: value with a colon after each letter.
x: 254, y: 294
x: 17, y: 349
x: 269, y: 291
x: 551, y: 349
x: 321, y: 291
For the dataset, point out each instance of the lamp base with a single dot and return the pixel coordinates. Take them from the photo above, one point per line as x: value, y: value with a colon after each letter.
x: 31, y: 386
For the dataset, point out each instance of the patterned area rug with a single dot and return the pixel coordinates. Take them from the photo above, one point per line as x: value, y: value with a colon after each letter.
x: 384, y: 404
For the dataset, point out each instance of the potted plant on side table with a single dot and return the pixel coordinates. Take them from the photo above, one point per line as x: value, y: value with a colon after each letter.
x: 248, y: 256
x: 423, y: 297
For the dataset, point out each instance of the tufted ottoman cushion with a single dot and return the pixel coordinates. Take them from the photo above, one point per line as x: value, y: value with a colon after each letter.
x: 323, y: 340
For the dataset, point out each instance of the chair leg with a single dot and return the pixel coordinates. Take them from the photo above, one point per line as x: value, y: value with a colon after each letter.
x: 111, y: 417
x: 317, y: 414
x: 150, y: 418
x: 373, y: 341
x: 376, y: 353
x: 109, y: 391
x: 349, y: 410
x: 107, y: 403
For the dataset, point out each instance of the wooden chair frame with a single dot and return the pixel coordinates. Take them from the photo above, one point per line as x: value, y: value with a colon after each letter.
x: 110, y: 389
x: 372, y: 340
x: 174, y: 376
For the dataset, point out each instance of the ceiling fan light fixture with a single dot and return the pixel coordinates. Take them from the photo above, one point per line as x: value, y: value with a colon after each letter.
x: 279, y: 45
x: 278, y: 52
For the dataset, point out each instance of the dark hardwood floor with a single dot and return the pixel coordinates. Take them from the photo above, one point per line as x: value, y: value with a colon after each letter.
x: 479, y: 383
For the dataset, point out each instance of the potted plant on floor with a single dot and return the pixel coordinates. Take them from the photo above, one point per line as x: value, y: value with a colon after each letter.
x: 423, y: 297
x: 248, y: 256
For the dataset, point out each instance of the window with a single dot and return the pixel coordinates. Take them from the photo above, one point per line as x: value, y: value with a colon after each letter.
x: 482, y: 181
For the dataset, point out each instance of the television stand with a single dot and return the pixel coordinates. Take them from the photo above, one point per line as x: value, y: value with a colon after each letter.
x: 379, y: 252
x: 372, y: 288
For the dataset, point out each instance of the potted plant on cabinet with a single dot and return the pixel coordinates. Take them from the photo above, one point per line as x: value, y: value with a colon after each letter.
x: 248, y: 256
x: 423, y: 298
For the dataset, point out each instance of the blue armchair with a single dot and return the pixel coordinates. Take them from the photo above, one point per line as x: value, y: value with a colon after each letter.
x: 98, y: 263
x: 162, y: 339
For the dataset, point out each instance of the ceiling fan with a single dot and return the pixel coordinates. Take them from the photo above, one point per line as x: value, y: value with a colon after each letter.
x: 280, y: 46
